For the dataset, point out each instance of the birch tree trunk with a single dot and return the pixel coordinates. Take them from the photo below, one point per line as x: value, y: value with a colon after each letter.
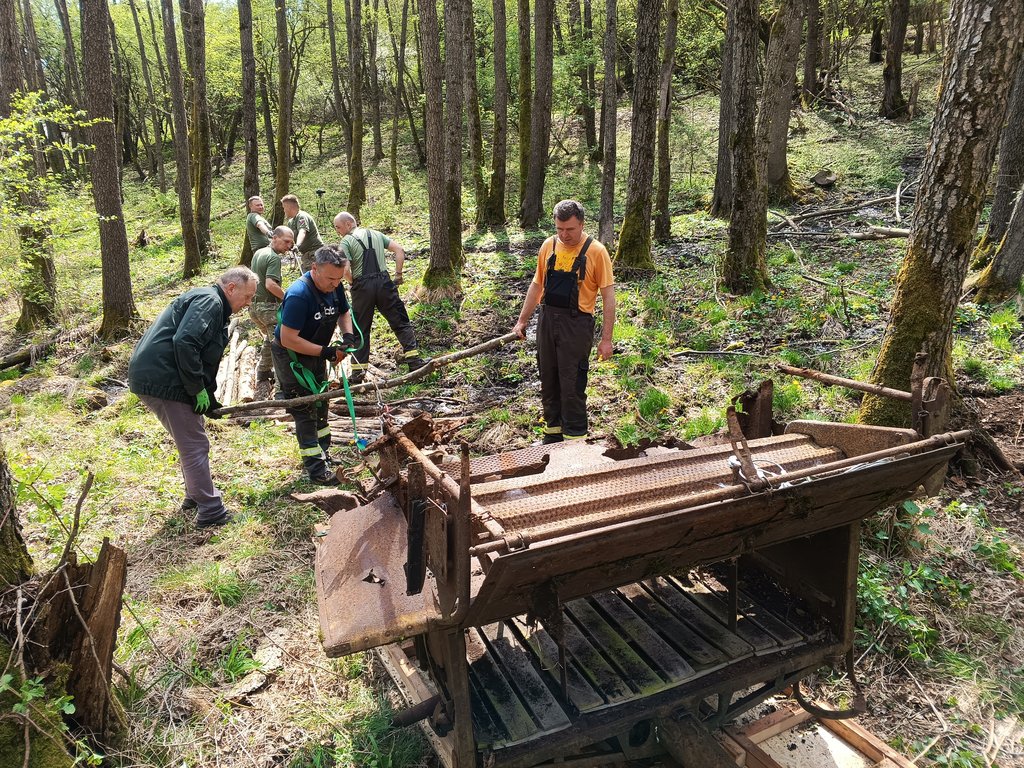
x: 634, y: 248
x: 985, y: 43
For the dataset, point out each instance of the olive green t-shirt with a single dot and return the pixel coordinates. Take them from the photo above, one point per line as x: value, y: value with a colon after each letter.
x: 356, y: 241
x: 266, y: 262
x: 302, y: 221
x: 256, y: 237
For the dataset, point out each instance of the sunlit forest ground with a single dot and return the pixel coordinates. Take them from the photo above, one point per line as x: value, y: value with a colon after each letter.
x: 941, y: 646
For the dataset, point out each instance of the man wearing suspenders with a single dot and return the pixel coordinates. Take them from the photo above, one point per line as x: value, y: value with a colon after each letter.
x: 373, y: 289
x: 571, y: 269
x: 314, y: 306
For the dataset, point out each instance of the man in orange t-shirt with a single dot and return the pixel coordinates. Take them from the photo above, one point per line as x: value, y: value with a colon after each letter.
x: 571, y: 269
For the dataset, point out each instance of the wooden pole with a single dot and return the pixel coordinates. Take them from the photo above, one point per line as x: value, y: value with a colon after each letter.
x: 839, y: 381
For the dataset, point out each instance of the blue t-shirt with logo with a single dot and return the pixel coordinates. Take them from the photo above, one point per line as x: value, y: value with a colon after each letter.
x: 305, y: 308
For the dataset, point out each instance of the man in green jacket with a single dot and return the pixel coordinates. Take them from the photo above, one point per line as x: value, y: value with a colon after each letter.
x: 257, y: 227
x: 173, y: 370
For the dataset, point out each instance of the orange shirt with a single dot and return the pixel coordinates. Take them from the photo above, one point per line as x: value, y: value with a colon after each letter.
x: 598, y: 274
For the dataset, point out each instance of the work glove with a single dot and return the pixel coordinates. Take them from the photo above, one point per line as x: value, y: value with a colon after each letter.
x: 332, y: 353
x: 215, y: 405
x: 348, y: 341
x: 202, y: 401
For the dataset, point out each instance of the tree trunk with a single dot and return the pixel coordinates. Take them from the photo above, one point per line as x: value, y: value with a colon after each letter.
x: 399, y: 88
x: 777, y: 98
x: 540, y: 118
x: 918, y: 30
x: 812, y: 52
x: 1009, y: 173
x: 268, y: 124
x: 894, y: 106
x: 609, y: 102
x: 580, y: 48
x: 157, y: 154
x: 976, y: 78
x: 524, y: 95
x: 377, y: 97
x: 494, y: 207
x: 875, y: 51
x: 590, y: 84
x: 183, y: 171
x: 474, y: 128
x: 721, y: 197
x: 1001, y: 278
x: 285, y: 94
x: 745, y: 270
x: 455, y: 13
x: 662, y: 217
x: 167, y: 108
x: 15, y: 562
x: 251, y: 179
x: 439, y: 270
x: 356, y: 175
x: 49, y: 132
x: 202, y: 160
x: 634, y: 248
x: 118, y: 304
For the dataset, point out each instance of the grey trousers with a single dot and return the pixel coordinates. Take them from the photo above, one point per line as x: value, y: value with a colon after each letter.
x: 189, y: 433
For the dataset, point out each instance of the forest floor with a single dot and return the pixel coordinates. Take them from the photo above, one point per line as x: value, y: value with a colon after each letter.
x: 219, y: 661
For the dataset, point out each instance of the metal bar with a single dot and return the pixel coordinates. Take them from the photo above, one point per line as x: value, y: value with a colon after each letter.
x: 721, y: 494
x: 450, y: 486
x: 839, y: 381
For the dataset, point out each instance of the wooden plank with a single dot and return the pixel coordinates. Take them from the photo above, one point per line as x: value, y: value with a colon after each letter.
x: 594, y: 667
x: 517, y: 665
x: 637, y: 673
x: 759, y: 612
x: 858, y: 737
x: 756, y: 757
x: 668, y: 663
x: 510, y: 711
x: 700, y: 652
x: 714, y: 631
x: 581, y: 693
x: 716, y: 603
x: 488, y: 731
x: 775, y: 723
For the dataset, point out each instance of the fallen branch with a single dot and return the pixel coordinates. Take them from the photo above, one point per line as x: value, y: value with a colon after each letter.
x: 29, y: 354
x: 435, y: 364
x: 819, y: 281
x: 843, y: 208
x: 871, y: 233
x: 839, y: 381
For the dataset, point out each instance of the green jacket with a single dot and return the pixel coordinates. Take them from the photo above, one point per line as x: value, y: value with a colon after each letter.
x: 179, y: 354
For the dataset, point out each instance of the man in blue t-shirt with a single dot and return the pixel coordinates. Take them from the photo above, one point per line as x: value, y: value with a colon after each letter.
x: 314, y: 306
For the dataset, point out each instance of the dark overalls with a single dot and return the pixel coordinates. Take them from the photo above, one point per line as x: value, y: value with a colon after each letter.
x: 311, y: 427
x: 564, y: 339
x: 374, y: 289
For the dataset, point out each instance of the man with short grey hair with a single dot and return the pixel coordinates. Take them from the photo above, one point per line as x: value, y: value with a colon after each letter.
x: 173, y: 370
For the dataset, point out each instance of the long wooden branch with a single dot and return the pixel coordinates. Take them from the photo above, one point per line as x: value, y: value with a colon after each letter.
x: 397, y: 381
x: 32, y: 352
x: 871, y: 233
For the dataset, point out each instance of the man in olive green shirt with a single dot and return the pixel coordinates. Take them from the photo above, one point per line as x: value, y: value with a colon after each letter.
x: 257, y: 227
x: 266, y: 263
x: 307, y: 234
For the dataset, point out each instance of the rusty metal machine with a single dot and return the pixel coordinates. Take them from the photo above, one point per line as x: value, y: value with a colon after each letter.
x: 555, y: 601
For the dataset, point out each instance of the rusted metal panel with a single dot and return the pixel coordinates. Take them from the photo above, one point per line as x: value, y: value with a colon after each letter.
x: 361, y: 583
x: 852, y: 439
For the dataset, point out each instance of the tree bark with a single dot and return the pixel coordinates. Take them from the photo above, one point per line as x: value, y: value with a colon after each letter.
x: 875, y: 50
x: 634, y: 248
x: 183, y: 171
x: 894, y: 106
x: 532, y: 207
x: 1001, y: 278
x: 251, y: 178
x: 157, y: 154
x: 976, y: 78
x: 356, y: 175
x: 777, y: 98
x: 609, y: 102
x: 1009, y: 172
x: 474, y: 127
x: 494, y: 207
x: 589, y: 84
x: 524, y: 95
x: 376, y: 97
x: 439, y: 269
x: 268, y: 124
x: 455, y: 13
x: 812, y: 52
x: 396, y: 182
x: 745, y: 270
x: 662, y: 217
x: 15, y: 562
x: 721, y: 197
x: 118, y: 303
x: 285, y: 94
x: 580, y: 50
x: 202, y: 159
